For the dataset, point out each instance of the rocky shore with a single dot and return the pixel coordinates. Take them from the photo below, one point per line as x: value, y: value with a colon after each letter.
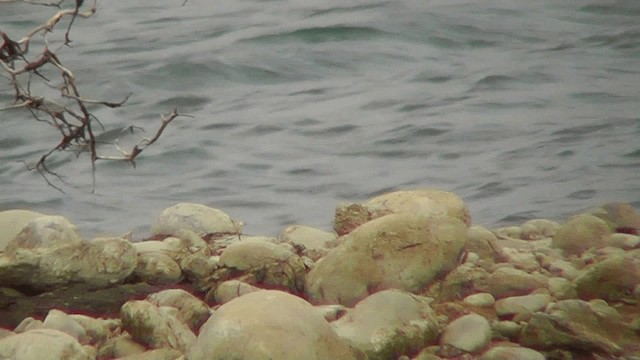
x: 406, y: 275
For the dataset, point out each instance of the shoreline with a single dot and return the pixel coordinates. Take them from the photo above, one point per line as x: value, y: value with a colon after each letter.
x: 414, y: 255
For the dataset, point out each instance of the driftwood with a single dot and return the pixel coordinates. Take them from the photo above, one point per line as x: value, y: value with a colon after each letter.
x: 68, y: 112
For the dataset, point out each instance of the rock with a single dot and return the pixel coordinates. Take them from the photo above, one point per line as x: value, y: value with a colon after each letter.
x: 229, y: 290
x: 612, y: 279
x: 42, y: 344
x: 623, y: 241
x: 620, y: 217
x: 506, y: 282
x: 156, y: 268
x: 119, y: 347
x: 522, y: 304
x: 469, y: 333
x: 202, y: 220
x: 484, y: 243
x: 315, y: 242
x: 43, y: 263
x: 561, y: 289
x: 27, y: 324
x: 458, y: 283
x: 260, y: 263
x: 511, y: 353
x: 524, y: 260
x: 564, y: 269
x: 12, y: 222
x: 58, y: 320
x: 388, y: 324
x: 580, y: 233
x: 157, y: 354
x: 427, y: 203
x: 537, y: 229
x: 331, y: 312
x: 509, y: 329
x: 395, y: 251
x: 480, y: 300
x: 198, y: 267
x: 155, y: 327
x: 191, y: 311
x: 43, y: 232
x: 577, y: 325
x: 98, y: 331
x: 279, y: 325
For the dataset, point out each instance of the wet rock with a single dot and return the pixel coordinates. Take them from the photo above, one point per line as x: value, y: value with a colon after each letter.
x: 97, y: 330
x: 156, y: 268
x: 229, y: 290
x: 458, y: 283
x: 389, y: 324
x: 522, y: 304
x: 613, y: 279
x: 260, y: 263
x: 580, y: 233
x: 191, y: 311
x: 119, y: 347
x: 44, y: 258
x: 201, y: 219
x: 395, y: 251
x: 427, y: 203
x: 155, y: 327
x: 562, y: 289
x: 315, y: 243
x: 505, y: 282
x: 511, y: 353
x: 42, y: 344
x: 285, y: 326
x: 579, y: 326
x: 58, y: 320
x: 469, y: 333
x: 620, y: 217
x: 480, y: 300
x: 623, y: 241
x: 484, y: 243
x: 537, y: 229
x: 12, y: 222
x: 157, y: 354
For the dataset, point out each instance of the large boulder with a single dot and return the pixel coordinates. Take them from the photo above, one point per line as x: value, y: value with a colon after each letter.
x: 269, y: 324
x: 428, y: 203
x: 389, y: 324
x: 580, y: 233
x: 48, y: 252
x: 42, y: 344
x: 613, y: 278
x: 620, y: 217
x: 201, y: 219
x: 395, y: 251
x: 12, y: 222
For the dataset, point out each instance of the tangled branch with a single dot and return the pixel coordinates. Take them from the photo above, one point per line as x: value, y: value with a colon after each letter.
x: 69, y: 115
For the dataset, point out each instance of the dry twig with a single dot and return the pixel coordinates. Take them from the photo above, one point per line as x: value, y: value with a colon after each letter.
x: 72, y: 120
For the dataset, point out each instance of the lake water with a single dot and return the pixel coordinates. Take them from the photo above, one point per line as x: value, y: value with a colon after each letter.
x: 525, y: 109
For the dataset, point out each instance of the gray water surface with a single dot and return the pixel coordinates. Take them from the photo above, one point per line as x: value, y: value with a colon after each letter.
x: 523, y: 108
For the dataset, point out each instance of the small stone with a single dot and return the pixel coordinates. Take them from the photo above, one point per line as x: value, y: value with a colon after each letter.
x: 480, y: 300
x: 580, y: 233
x: 562, y: 288
x: 191, y: 311
x: 229, y: 290
x: 509, y: 329
x: 469, y: 333
x: 505, y: 282
x: 198, y: 218
x: 58, y: 320
x: 521, y: 304
x: 511, y: 353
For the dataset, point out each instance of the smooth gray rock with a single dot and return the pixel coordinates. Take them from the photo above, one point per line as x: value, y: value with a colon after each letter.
x: 198, y: 218
x: 469, y: 333
x: 42, y: 344
x: 388, y: 324
x: 269, y: 324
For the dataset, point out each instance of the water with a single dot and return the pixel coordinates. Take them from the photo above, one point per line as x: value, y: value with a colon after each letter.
x: 525, y: 108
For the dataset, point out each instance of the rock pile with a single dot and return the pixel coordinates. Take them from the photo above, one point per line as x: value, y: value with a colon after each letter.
x: 405, y: 276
